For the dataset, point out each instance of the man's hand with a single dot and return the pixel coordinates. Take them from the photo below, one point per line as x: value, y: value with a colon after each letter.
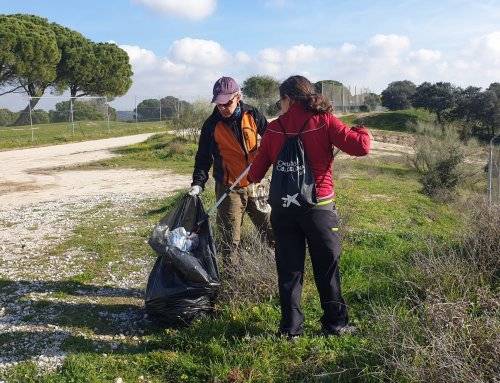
x: 195, y: 190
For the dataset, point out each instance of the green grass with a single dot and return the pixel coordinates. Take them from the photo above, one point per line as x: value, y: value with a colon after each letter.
x: 386, y: 219
x: 398, y: 121
x: 161, y: 151
x: 59, y: 133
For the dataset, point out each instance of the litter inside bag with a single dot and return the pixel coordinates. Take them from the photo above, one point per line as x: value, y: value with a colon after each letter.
x: 184, y: 281
x: 182, y: 239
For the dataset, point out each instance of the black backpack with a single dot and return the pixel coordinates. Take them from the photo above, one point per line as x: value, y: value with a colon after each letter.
x: 292, y: 184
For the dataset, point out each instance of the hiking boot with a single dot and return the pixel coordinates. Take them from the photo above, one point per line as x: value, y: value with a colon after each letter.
x: 339, y: 331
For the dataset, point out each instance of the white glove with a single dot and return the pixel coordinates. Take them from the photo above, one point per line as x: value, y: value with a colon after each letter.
x: 195, y: 190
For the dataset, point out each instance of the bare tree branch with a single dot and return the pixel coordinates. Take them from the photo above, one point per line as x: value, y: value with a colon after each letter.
x: 12, y: 90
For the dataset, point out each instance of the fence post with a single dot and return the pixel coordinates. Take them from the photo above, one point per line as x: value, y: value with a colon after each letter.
x: 490, y: 172
x: 160, y: 109
x: 135, y: 108
x: 342, y: 97
x: 31, y: 121
x: 107, y: 113
x: 71, y: 115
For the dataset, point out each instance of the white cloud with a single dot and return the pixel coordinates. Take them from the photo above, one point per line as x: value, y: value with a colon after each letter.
x: 199, y: 52
x: 243, y: 57
x: 300, y: 53
x: 390, y: 44
x: 490, y: 43
x: 426, y: 55
x: 271, y: 55
x: 140, y: 58
x: 347, y: 48
x: 192, y: 65
x: 189, y: 9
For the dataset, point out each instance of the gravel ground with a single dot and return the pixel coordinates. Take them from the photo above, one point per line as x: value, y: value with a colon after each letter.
x: 38, y: 210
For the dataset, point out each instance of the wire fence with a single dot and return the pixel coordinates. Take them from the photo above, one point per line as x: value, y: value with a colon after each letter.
x: 347, y: 98
x: 494, y: 171
x: 59, y: 118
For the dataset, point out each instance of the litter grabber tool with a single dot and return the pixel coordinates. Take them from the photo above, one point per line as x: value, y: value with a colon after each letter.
x: 221, y: 199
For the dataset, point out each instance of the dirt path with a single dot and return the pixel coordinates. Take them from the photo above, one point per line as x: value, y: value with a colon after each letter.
x: 39, y: 206
x: 24, y: 179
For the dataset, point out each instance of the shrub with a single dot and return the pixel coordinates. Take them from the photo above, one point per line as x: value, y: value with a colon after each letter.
x: 191, y: 119
x: 40, y: 116
x: 253, y: 278
x: 7, y: 117
x: 439, y: 164
x: 450, y: 331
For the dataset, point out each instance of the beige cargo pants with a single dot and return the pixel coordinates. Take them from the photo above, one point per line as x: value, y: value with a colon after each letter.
x: 230, y: 218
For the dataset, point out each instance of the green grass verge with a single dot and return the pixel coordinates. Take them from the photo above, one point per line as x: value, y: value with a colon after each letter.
x: 161, y: 151
x: 386, y: 218
x: 59, y: 133
x: 399, y: 121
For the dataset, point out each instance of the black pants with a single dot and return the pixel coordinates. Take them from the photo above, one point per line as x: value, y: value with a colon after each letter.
x: 319, y: 227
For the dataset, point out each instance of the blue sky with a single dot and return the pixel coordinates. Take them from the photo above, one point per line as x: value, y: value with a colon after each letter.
x: 180, y: 47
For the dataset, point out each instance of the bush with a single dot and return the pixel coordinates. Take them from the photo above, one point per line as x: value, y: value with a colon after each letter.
x: 40, y: 116
x: 86, y: 110
x: 450, y: 332
x: 7, y: 117
x: 191, y: 119
x: 439, y: 162
x: 253, y: 279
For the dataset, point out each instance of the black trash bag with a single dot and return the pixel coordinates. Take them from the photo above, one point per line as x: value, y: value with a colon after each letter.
x: 182, y: 285
x: 292, y: 184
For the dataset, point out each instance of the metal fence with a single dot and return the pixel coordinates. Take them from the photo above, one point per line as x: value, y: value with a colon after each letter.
x: 494, y: 171
x: 345, y: 98
x: 61, y: 116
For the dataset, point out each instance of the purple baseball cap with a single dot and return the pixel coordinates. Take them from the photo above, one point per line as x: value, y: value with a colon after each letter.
x: 224, y: 90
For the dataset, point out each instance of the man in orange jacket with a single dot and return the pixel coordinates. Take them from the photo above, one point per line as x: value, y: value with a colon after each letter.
x: 229, y: 142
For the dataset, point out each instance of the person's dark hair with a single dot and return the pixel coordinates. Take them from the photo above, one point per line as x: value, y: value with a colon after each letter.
x: 300, y: 89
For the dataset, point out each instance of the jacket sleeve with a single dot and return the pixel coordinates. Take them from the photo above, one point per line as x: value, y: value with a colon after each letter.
x: 354, y: 141
x: 261, y: 122
x: 203, y: 160
x: 262, y: 161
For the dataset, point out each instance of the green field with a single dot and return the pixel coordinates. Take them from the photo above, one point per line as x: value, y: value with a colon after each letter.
x: 59, y: 133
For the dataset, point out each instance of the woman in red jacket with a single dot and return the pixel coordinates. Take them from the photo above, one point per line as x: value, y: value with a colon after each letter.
x: 311, y: 114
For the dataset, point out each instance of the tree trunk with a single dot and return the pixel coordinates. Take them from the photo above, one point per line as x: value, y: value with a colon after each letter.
x: 33, y: 90
x: 24, y: 116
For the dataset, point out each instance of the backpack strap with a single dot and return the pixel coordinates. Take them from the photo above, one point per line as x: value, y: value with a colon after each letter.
x: 281, y: 126
x: 304, y: 126
x: 301, y: 129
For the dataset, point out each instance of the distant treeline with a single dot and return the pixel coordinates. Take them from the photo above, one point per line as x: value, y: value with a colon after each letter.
x: 474, y: 110
x: 88, y: 110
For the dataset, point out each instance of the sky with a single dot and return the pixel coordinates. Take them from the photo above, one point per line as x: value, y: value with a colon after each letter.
x: 180, y: 47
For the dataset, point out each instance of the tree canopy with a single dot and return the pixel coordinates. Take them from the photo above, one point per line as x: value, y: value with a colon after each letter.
x: 261, y: 87
x: 112, y: 73
x: 37, y: 55
x: 398, y: 95
x: 438, y: 98
x: 29, y: 61
x: 264, y: 90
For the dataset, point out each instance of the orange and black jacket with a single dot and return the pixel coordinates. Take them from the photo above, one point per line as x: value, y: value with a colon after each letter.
x: 229, y: 146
